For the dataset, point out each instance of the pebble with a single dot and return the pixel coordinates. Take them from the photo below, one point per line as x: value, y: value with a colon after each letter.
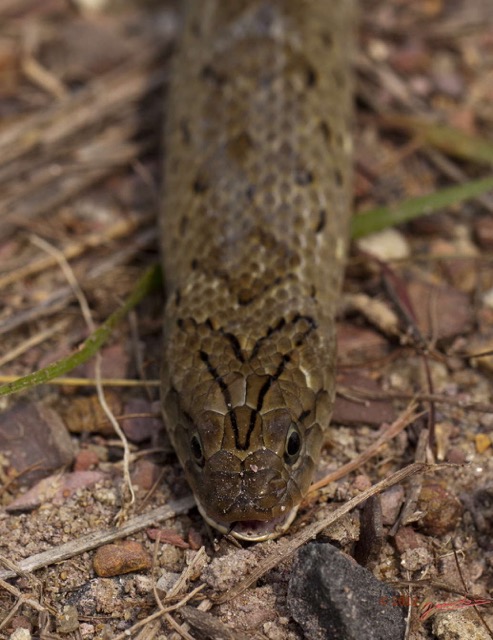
x: 145, y: 474
x: 487, y: 298
x: 406, y: 538
x: 167, y: 581
x: 454, y: 625
x: 389, y: 244
x: 416, y: 559
x: 330, y: 596
x: 86, y: 415
x: 391, y: 501
x: 143, y: 427
x: 442, y: 509
x: 21, y: 622
x: 482, y: 441
x: 123, y: 557
x: 48, y: 442
x: 86, y: 459
x: 68, y: 620
x: 20, y: 634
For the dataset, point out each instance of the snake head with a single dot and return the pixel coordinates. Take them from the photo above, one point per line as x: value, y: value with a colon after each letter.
x: 248, y: 469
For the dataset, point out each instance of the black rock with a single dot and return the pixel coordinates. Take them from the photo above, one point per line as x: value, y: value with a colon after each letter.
x: 333, y: 598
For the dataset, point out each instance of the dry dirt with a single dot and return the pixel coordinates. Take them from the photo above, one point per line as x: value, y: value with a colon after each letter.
x: 80, y: 109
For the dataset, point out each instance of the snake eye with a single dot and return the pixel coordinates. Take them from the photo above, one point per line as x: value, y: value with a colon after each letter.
x: 293, y: 445
x: 196, y: 448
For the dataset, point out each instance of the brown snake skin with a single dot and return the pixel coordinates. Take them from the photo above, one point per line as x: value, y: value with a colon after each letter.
x: 254, y: 229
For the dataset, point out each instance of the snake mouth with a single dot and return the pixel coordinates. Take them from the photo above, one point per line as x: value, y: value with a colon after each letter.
x: 252, y: 530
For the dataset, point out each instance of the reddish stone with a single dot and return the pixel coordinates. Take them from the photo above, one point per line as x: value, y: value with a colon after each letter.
x: 122, y: 557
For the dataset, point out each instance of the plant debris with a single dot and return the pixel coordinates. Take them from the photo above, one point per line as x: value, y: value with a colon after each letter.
x: 82, y: 89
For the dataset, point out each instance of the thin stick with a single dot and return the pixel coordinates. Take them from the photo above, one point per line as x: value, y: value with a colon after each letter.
x: 286, y: 549
x: 33, y: 341
x: 86, y: 312
x: 392, y: 431
x: 18, y: 594
x: 127, y: 634
x: 103, y: 536
x: 121, y: 228
x: 480, y: 407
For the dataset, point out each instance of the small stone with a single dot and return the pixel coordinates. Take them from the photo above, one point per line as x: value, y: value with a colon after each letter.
x: 144, y: 424
x: 87, y: 630
x: 145, y: 474
x: 443, y: 431
x: 449, y: 82
x: 362, y: 482
x: 85, y: 460
x: 167, y: 581
x: 442, y: 509
x: 195, y: 539
x: 391, y: 501
x: 330, y: 596
x: 123, y: 557
x: 143, y: 583
x: 86, y: 415
x: 483, y: 442
x: 459, y: 625
x: 93, y: 6
x: 20, y: 634
x: 21, y: 622
x: 99, y: 597
x: 47, y: 447
x: 68, y: 620
x: 456, y: 455
x: 406, y: 538
x: 487, y: 298
x: 416, y: 559
x: 386, y: 245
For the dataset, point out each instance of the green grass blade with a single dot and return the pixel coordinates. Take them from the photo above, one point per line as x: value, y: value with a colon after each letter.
x: 149, y: 282
x: 383, y: 217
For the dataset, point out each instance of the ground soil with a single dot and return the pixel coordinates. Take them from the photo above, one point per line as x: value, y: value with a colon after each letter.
x: 81, y: 105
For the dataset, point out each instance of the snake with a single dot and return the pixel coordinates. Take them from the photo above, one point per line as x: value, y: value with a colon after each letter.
x: 253, y: 228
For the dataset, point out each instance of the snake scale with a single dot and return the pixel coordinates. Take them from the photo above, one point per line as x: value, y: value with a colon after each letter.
x: 254, y: 228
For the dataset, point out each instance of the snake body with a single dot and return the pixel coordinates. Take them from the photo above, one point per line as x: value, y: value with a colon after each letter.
x: 254, y: 227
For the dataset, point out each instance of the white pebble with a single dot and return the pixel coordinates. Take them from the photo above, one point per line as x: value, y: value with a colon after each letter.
x: 488, y: 298
x: 388, y: 244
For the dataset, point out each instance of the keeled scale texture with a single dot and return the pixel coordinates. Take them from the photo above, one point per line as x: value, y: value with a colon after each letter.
x: 254, y: 228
